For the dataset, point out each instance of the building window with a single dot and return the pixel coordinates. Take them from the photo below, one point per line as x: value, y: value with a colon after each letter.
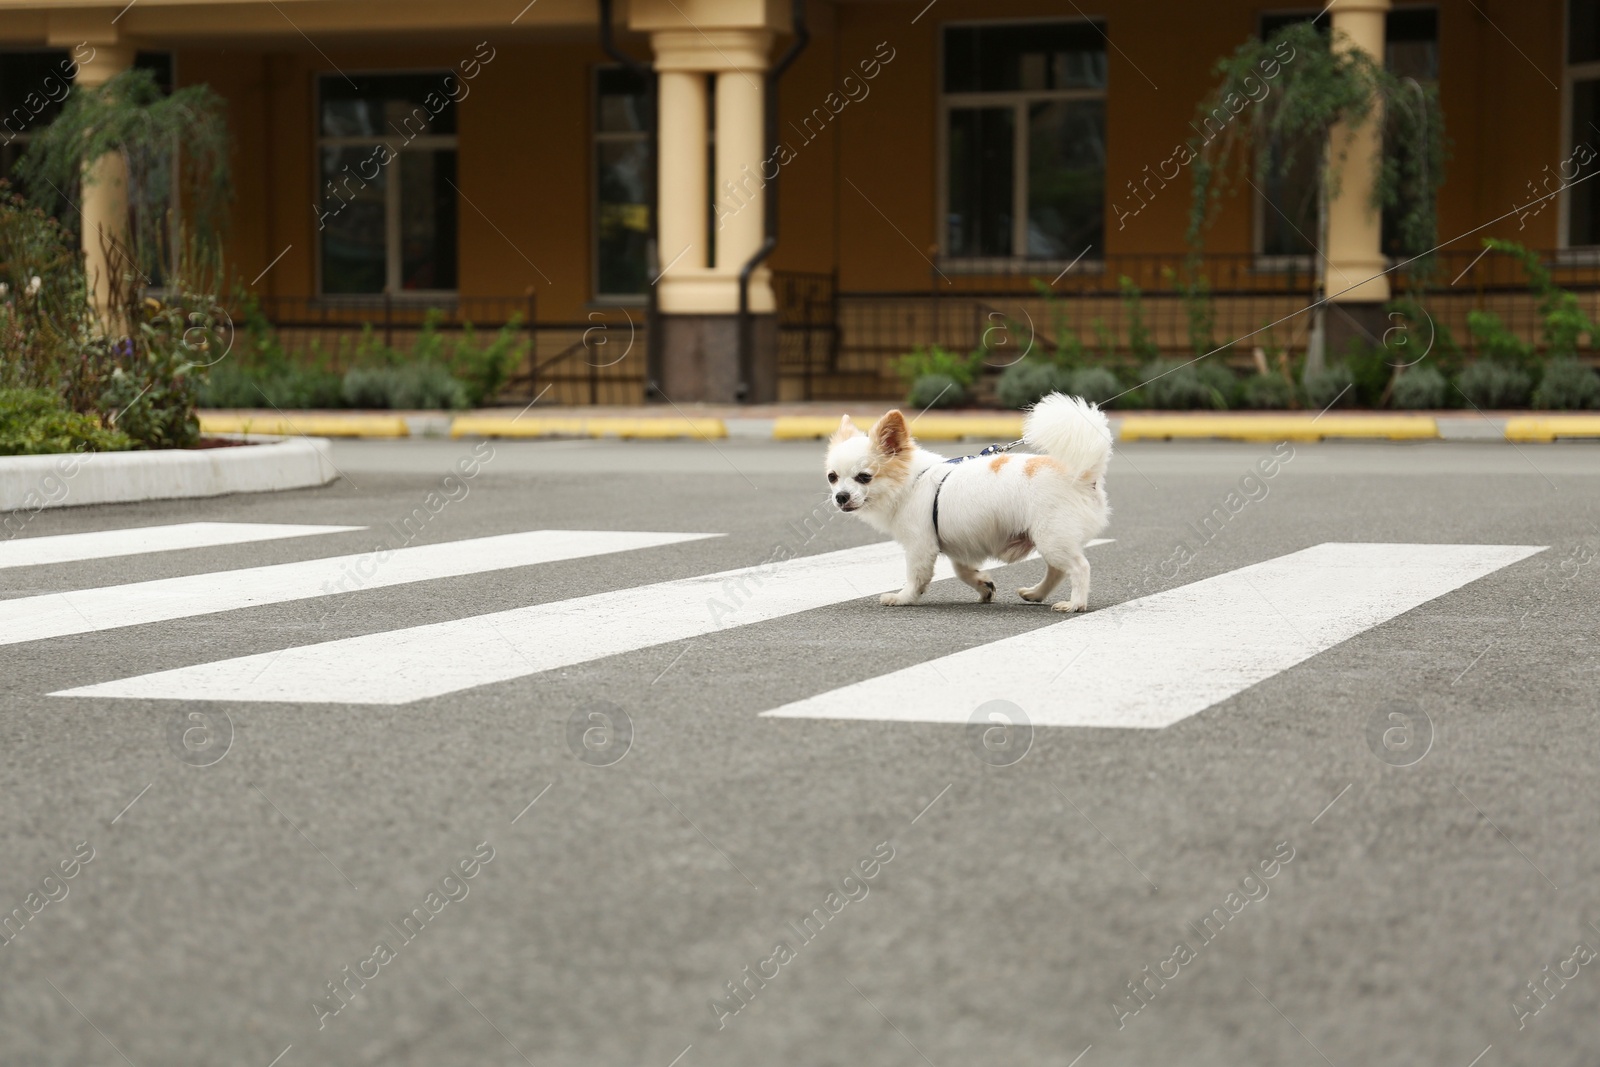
x: 34, y: 86
x: 1582, y: 199
x: 1289, y: 208
x: 386, y: 215
x: 622, y: 183
x: 1024, y: 120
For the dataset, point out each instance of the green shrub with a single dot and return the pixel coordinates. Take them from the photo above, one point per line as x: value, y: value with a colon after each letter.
x: 1419, y: 388
x: 1567, y: 385
x: 1140, y: 342
x: 415, y: 386
x: 1371, y: 369
x: 1496, y: 344
x: 1023, y: 383
x: 1334, y: 385
x: 1095, y: 384
x: 484, y: 369
x: 1179, y: 386
x: 37, y: 422
x: 936, y: 391
x: 1267, y: 392
x: 1487, y: 384
x: 934, y: 359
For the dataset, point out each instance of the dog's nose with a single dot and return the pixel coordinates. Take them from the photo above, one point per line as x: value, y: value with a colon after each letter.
x: 841, y: 498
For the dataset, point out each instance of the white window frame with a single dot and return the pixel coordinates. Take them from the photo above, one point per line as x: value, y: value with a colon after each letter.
x: 597, y: 138
x: 1018, y: 100
x: 1571, y: 74
x: 393, y: 260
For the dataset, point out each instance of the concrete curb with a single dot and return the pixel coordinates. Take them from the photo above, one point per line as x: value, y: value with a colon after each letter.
x: 32, y: 483
x: 1279, y: 427
x: 306, y: 425
x: 536, y: 426
x: 765, y: 425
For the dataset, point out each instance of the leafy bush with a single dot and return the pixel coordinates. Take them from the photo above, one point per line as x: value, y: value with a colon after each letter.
x: 1095, y: 384
x: 1371, y: 370
x: 288, y: 387
x: 1177, y: 386
x: 922, y: 365
x: 1335, y: 385
x: 1420, y: 388
x: 1140, y: 342
x: 425, y: 385
x: 484, y: 369
x: 1487, y: 384
x: 936, y: 391
x: 935, y: 359
x: 1497, y: 344
x: 1567, y: 385
x: 38, y: 422
x: 1023, y: 383
x: 1267, y: 392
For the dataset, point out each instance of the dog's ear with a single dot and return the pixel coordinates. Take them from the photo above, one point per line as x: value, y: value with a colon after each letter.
x: 846, y: 430
x: 890, y: 435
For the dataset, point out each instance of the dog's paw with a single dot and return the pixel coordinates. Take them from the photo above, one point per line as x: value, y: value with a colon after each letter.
x: 1029, y: 595
x: 1071, y: 605
x: 894, y: 600
x: 986, y: 594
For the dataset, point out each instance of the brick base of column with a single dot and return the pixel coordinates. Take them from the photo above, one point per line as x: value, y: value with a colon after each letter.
x: 700, y: 359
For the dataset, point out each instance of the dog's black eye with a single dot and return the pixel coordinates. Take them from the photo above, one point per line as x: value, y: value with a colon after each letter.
x: 863, y: 477
x: 832, y: 477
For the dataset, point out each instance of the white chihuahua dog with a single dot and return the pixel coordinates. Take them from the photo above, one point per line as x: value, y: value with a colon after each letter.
x: 976, y: 508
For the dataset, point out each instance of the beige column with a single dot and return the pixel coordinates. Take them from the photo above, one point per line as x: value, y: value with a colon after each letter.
x: 696, y: 281
x: 740, y: 188
x: 681, y: 173
x: 105, y: 192
x: 1354, y: 240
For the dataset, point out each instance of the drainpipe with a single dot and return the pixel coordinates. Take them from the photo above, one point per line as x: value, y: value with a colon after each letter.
x: 652, y: 318
x: 802, y: 37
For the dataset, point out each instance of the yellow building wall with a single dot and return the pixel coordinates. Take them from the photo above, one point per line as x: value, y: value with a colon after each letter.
x: 862, y: 194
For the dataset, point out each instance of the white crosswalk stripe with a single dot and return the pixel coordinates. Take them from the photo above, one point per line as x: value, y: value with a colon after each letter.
x: 400, y: 666
x: 105, y: 544
x: 35, y: 618
x: 1151, y: 662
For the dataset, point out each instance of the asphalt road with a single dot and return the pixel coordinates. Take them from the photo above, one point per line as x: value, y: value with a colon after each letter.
x: 1415, y: 889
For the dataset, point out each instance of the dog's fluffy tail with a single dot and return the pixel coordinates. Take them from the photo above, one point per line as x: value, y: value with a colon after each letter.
x: 1071, y: 430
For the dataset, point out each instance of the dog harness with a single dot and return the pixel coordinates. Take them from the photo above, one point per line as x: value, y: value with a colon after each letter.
x: 992, y: 450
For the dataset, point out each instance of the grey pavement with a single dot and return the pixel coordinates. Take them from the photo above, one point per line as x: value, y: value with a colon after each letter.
x: 1019, y: 902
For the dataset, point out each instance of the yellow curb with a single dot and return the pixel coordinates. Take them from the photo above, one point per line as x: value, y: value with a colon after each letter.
x: 533, y: 426
x: 923, y: 427
x: 1278, y: 427
x: 1550, y: 427
x: 307, y: 425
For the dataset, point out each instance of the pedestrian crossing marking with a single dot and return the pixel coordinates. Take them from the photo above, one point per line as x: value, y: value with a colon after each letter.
x: 138, y: 540
x: 414, y: 663
x: 1152, y: 662
x: 80, y: 611
x: 400, y: 666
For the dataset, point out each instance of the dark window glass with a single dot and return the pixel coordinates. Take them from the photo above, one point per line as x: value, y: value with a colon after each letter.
x: 622, y: 101
x: 354, y: 241
x: 622, y: 209
x: 1411, y: 43
x: 388, y: 105
x: 981, y: 181
x: 1583, y: 31
x: 427, y: 220
x: 1583, y: 197
x: 1024, y: 56
x: 1066, y: 177
x: 33, y: 87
